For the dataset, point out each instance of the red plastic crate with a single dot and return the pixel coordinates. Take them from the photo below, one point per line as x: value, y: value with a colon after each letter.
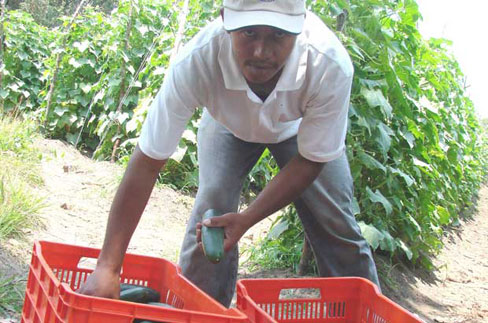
x: 55, y: 273
x: 344, y: 299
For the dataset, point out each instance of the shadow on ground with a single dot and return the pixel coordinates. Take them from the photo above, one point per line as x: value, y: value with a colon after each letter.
x: 11, y: 264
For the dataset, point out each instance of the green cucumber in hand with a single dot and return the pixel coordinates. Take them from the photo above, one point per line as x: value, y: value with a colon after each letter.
x: 212, y: 238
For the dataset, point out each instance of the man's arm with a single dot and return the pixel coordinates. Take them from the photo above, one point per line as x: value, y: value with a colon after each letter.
x: 283, y: 189
x: 127, y: 207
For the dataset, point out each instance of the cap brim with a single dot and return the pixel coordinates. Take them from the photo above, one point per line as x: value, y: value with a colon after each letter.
x: 239, y: 19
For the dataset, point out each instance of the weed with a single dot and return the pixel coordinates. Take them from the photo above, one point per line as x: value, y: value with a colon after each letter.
x: 11, y: 295
x: 19, y: 175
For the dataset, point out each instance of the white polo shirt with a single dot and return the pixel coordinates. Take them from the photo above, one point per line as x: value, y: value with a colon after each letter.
x: 310, y: 100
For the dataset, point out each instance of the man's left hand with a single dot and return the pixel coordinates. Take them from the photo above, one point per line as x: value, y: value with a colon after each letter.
x: 234, y: 225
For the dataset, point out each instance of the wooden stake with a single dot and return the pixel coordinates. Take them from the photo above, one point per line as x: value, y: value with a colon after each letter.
x: 181, y: 30
x: 122, y: 83
x: 305, y: 260
x: 59, y: 56
x: 2, y: 38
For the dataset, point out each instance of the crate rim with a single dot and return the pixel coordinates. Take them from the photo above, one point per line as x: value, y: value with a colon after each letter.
x: 290, y: 283
x: 227, y: 313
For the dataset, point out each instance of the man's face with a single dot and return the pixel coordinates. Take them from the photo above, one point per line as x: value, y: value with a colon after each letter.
x: 261, y: 51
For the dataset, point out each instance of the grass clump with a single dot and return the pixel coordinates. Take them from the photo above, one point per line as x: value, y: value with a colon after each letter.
x: 19, y: 176
x: 11, y: 295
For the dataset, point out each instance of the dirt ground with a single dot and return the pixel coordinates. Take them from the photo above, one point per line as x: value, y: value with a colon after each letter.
x: 78, y: 193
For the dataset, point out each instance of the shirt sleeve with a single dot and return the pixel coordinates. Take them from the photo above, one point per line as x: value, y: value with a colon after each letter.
x: 168, y: 115
x: 322, y: 132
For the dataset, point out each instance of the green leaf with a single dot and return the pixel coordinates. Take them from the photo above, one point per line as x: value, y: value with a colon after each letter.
x: 371, y: 234
x: 408, y: 179
x: 409, y: 138
x: 356, y: 51
x: 3, y: 94
x: 384, y: 139
x: 190, y: 136
x: 418, y: 162
x: 81, y: 46
x: 363, y: 122
x: 370, y: 162
x: 142, y: 29
x: 388, y: 242
x: 85, y: 87
x: 179, y: 153
x: 375, y: 98
x: 453, y: 155
x: 122, y: 117
x: 414, y: 223
x: 278, y: 229
x: 25, y: 74
x: 373, y: 83
x: 131, y: 125
x: 59, y: 111
x: 444, y: 216
x: 113, y: 82
x: 13, y: 86
x: 23, y: 55
x: 82, y: 99
x: 75, y: 63
x: 355, y: 206
x: 377, y: 197
x: 414, y: 129
x: 71, y: 138
x: 405, y: 249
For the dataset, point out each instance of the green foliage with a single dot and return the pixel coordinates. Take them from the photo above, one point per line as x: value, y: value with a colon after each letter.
x: 282, y: 247
x: 414, y: 153
x: 264, y: 170
x: 22, y: 64
x: 90, y: 82
x: 19, y: 175
x: 414, y: 144
x: 49, y: 13
x: 199, y: 15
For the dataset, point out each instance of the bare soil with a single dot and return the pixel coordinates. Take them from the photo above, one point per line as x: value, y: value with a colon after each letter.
x: 78, y: 193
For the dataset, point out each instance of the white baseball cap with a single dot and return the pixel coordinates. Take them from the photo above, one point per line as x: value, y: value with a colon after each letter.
x: 288, y: 15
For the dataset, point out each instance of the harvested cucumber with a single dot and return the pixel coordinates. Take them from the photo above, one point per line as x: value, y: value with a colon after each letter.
x: 125, y: 286
x: 161, y: 304
x: 155, y: 304
x: 212, y: 238
x: 140, y: 295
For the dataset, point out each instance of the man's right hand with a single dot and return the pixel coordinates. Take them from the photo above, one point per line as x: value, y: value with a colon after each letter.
x: 102, y: 283
x: 129, y: 203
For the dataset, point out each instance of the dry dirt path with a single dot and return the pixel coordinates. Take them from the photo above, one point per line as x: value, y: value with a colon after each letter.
x: 79, y: 191
x: 458, y: 291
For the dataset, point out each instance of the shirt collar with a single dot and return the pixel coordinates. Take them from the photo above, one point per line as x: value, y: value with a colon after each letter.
x: 291, y: 78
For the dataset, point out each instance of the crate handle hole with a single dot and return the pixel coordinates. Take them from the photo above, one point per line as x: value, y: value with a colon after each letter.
x: 300, y: 293
x: 87, y: 263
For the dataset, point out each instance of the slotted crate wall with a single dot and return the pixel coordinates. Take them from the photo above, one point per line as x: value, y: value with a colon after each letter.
x: 55, y: 274
x: 345, y: 299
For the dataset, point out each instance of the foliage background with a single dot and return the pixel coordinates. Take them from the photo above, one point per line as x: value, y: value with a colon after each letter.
x: 415, y: 146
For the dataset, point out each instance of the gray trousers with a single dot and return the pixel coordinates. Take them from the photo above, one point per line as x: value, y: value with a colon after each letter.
x: 324, y: 209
